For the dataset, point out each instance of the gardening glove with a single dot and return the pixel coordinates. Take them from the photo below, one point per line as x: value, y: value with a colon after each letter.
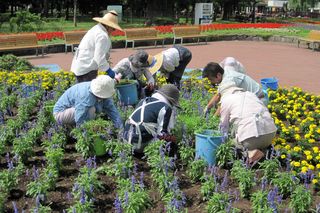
x: 206, y: 110
x: 111, y: 73
x: 118, y: 77
x: 168, y: 138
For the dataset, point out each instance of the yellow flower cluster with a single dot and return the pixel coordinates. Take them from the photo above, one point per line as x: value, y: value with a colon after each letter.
x: 297, y: 116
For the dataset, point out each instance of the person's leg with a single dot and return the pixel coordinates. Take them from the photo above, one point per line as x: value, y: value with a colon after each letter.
x: 112, y: 112
x: 185, y: 57
x: 87, y: 77
x: 65, y: 117
x: 261, y: 142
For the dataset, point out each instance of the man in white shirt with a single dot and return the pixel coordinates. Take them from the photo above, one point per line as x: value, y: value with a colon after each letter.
x: 250, y: 119
x: 93, y: 51
x: 172, y: 63
x: 217, y: 75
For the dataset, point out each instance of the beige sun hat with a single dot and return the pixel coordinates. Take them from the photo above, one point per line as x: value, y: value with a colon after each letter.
x: 156, y: 63
x: 171, y: 93
x: 102, y: 86
x: 228, y: 88
x: 110, y: 19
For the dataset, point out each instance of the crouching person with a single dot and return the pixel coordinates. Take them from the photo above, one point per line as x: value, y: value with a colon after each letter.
x: 79, y: 103
x: 152, y: 118
x: 252, y: 124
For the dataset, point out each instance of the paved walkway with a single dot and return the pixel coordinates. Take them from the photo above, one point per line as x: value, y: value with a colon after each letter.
x: 291, y: 65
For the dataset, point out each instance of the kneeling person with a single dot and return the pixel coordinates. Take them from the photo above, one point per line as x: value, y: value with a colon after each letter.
x: 153, y: 117
x: 78, y: 103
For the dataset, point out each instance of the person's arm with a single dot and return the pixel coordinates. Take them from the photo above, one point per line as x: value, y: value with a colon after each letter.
x: 150, y: 79
x: 163, y: 125
x: 213, y: 102
x: 81, y: 113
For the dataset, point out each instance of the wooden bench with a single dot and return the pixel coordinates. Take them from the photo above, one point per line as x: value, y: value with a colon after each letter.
x: 142, y: 34
x: 72, y: 38
x: 20, y: 41
x: 187, y: 32
x: 312, y: 38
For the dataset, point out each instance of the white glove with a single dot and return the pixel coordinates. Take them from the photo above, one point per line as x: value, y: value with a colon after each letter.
x: 118, y: 77
x: 206, y: 110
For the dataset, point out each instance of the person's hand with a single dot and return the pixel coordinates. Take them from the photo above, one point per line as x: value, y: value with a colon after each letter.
x: 206, y: 110
x: 118, y: 77
x: 168, y: 138
x: 150, y: 86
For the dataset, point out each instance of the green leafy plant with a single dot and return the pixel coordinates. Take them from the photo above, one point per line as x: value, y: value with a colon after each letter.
x: 219, y: 203
x: 225, y: 154
x: 208, y: 187
x: 196, y: 169
x: 286, y: 182
x: 259, y: 201
x: 244, y: 176
x: 25, y: 22
x: 9, y: 63
x: 269, y: 167
x: 301, y: 199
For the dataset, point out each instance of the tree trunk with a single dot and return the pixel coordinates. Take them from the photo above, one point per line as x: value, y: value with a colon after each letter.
x: 253, y: 12
x: 75, y: 13
x: 45, y: 8
x: 67, y: 10
x: 11, y: 9
x: 227, y: 8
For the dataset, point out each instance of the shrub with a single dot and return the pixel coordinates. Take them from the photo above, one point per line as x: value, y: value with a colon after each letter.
x: 25, y: 22
x: 13, y: 63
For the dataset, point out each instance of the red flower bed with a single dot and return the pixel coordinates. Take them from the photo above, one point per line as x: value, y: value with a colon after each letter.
x: 241, y: 26
x: 49, y: 36
x: 118, y: 33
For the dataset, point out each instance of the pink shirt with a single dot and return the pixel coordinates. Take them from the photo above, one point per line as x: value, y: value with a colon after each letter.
x: 247, y: 114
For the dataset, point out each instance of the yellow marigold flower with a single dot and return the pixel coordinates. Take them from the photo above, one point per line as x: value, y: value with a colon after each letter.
x: 304, y: 163
x: 304, y: 169
x: 319, y: 174
x: 309, y: 157
x: 318, y: 157
x: 314, y: 181
x: 318, y: 130
x: 311, y: 140
x: 315, y: 149
x: 318, y: 166
x: 296, y: 149
x: 307, y: 152
x: 284, y: 156
x: 287, y: 147
x: 297, y: 137
x: 311, y: 167
x: 296, y: 164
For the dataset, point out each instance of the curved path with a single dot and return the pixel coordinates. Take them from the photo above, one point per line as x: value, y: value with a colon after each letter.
x: 291, y: 65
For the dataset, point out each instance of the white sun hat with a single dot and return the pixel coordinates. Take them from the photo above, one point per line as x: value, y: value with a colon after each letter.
x: 102, y: 86
x: 110, y: 19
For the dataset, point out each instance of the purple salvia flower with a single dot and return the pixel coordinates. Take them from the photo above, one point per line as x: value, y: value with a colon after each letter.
x: 83, y: 196
x: 135, y: 168
x: 10, y: 166
x: 141, y: 180
x: 27, y: 172
x: 15, y: 209
x: 91, y: 188
x: 133, y: 182
x: 69, y: 196
x: 76, y: 187
x: 7, y: 157
x: 38, y: 201
x: 117, y: 204
x: 263, y: 184
x: 89, y: 162
x: 74, y: 210
x: 110, y: 152
x: 126, y: 198
x: 35, y: 173
x: 94, y: 162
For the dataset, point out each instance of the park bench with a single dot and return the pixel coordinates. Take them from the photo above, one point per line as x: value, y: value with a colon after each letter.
x: 142, y: 34
x: 312, y: 38
x: 72, y: 38
x: 187, y: 32
x: 19, y: 42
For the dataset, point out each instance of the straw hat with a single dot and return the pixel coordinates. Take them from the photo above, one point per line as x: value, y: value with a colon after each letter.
x: 141, y: 59
x: 156, y: 63
x: 110, y: 19
x: 102, y: 86
x: 171, y: 93
x: 228, y: 88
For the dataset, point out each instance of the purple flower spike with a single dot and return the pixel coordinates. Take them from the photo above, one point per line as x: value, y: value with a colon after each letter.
x: 15, y: 209
x: 117, y: 204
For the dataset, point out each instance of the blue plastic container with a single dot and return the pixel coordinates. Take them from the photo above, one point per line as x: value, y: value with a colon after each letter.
x: 128, y: 93
x: 206, y: 145
x: 271, y: 83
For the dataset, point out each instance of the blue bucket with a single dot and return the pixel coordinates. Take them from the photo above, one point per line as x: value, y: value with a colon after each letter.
x: 271, y: 83
x: 206, y: 145
x: 128, y: 93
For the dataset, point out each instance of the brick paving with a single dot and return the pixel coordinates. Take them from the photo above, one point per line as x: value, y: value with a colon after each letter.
x: 291, y: 65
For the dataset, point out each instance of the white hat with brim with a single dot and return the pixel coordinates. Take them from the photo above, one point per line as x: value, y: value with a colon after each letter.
x: 110, y: 19
x: 102, y: 86
x: 156, y: 63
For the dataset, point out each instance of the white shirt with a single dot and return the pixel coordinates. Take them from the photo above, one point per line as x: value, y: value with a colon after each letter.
x: 248, y: 115
x: 130, y: 72
x: 171, y: 59
x: 93, y: 52
x: 241, y: 80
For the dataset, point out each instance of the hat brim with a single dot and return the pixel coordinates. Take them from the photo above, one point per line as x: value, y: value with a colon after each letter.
x: 108, y: 23
x: 171, y: 100
x: 156, y: 63
x: 100, y: 93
